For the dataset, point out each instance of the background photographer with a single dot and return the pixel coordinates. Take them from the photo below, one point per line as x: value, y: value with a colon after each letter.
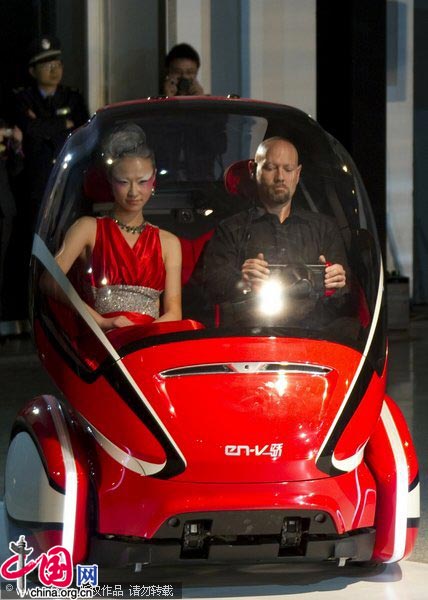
x: 182, y: 65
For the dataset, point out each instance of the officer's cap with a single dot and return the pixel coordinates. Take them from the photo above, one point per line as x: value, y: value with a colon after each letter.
x: 44, y: 49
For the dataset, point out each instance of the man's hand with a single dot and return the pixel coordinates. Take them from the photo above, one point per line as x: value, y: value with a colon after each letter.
x: 16, y: 139
x: 254, y: 272
x: 196, y: 88
x: 170, y: 87
x: 335, y: 276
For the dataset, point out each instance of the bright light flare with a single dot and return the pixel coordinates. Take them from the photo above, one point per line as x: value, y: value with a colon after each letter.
x: 271, y: 297
x: 66, y: 160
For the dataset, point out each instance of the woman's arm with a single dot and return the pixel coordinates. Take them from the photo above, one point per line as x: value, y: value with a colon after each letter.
x: 78, y: 239
x: 171, y: 252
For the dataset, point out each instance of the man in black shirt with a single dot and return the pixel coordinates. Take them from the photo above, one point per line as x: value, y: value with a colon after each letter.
x: 242, y: 253
x: 47, y: 112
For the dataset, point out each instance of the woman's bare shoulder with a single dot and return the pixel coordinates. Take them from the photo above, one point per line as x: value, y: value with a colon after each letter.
x: 168, y: 237
x: 80, y: 235
x: 84, y: 225
x: 86, y: 222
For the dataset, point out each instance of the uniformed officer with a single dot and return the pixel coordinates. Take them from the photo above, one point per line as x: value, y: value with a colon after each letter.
x: 46, y: 112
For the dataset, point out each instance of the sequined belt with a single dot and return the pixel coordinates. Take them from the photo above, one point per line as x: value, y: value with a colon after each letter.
x: 127, y: 298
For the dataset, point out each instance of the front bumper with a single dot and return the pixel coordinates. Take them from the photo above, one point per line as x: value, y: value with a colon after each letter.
x: 240, y: 537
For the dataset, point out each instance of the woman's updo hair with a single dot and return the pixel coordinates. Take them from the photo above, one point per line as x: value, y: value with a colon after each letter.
x: 126, y: 140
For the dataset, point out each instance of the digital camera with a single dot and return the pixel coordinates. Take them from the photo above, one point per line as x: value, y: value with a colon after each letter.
x: 183, y: 86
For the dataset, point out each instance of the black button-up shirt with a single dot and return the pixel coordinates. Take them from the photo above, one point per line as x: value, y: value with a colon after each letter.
x: 301, y: 238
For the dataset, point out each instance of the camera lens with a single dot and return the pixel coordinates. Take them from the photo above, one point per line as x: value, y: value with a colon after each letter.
x: 183, y: 86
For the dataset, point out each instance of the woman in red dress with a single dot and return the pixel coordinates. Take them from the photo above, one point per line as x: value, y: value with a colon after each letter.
x: 130, y: 262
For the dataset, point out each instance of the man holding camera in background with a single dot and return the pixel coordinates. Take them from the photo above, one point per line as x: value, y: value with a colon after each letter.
x: 182, y: 65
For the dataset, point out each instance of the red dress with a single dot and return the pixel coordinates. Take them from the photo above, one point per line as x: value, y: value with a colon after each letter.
x: 127, y: 281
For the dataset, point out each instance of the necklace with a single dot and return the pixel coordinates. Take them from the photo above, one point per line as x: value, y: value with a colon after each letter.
x: 129, y: 228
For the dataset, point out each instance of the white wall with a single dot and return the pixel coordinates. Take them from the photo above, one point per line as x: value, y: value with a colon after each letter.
x: 97, y: 96
x: 279, y: 60
x: 132, y: 66
x: 190, y: 22
x: 282, y: 52
x: 122, y: 50
x: 281, y: 40
x: 399, y: 158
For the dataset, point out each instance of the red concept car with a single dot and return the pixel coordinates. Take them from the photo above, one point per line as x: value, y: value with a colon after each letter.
x: 242, y: 432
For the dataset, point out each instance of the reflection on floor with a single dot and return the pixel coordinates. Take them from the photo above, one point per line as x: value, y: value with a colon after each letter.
x: 21, y: 378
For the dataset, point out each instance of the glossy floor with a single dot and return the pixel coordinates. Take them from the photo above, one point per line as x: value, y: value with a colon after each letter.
x: 21, y: 377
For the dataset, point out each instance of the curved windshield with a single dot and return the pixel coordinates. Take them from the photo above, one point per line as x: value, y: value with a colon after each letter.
x: 220, y: 205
